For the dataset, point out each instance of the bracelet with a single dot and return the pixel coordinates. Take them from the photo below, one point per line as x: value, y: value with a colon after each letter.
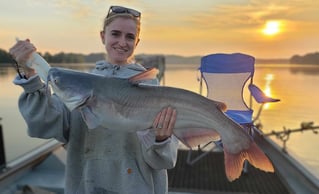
x: 19, y: 70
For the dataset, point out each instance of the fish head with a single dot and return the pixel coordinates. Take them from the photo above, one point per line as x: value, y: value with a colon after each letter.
x: 75, y: 88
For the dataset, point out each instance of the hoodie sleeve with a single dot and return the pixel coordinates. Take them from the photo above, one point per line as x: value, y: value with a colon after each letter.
x: 161, y: 155
x: 45, y: 115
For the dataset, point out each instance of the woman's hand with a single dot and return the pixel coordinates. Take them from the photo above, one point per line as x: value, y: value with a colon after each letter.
x: 21, y: 52
x: 164, y: 123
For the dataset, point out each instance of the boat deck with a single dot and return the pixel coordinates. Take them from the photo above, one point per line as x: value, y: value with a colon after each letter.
x: 44, y: 168
x: 208, y: 176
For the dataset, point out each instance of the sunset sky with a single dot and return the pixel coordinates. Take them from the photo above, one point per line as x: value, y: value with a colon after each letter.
x: 262, y: 28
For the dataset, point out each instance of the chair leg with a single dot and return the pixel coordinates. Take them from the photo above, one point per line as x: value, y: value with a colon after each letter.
x: 191, y: 161
x: 245, y: 167
x: 259, y: 112
x: 250, y: 130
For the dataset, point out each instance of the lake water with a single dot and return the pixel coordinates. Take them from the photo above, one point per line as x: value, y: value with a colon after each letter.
x: 295, y: 85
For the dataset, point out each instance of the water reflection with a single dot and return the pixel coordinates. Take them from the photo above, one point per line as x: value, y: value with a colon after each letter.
x: 14, y: 127
x: 269, y: 77
x: 5, y: 70
x: 305, y: 69
x: 298, y: 94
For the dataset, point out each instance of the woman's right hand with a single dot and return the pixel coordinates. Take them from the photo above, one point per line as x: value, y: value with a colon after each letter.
x: 164, y: 123
x: 21, y: 52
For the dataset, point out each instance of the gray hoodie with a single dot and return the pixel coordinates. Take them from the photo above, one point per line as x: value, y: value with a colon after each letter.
x: 99, y: 161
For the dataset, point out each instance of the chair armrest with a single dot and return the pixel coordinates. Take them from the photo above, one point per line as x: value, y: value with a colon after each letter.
x: 259, y: 95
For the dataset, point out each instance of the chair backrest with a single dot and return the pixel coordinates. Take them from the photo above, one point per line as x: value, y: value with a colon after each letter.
x: 226, y: 76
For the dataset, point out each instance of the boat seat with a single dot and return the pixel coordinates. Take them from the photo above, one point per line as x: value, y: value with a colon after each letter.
x: 228, y: 77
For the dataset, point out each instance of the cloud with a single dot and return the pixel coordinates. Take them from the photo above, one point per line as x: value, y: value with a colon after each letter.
x: 75, y: 9
x: 166, y: 25
x: 252, y: 14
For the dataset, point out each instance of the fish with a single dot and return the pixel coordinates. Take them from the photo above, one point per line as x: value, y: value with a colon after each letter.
x: 131, y: 105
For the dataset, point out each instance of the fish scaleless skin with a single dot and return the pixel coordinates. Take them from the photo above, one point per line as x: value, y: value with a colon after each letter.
x: 127, y: 105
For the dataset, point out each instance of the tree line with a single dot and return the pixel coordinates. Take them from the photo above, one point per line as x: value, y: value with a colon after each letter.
x: 310, y: 58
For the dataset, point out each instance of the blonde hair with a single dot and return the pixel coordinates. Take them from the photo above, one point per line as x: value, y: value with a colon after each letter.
x: 112, y: 16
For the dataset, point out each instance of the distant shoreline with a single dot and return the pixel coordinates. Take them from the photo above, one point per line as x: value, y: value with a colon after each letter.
x: 69, y: 58
x: 176, y: 60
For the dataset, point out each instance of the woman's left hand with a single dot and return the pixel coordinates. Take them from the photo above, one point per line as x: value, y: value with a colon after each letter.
x: 164, y: 123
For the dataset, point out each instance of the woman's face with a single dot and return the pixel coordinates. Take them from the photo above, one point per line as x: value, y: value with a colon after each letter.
x: 120, y: 39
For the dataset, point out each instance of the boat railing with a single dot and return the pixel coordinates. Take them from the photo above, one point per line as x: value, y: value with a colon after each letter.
x: 2, y: 150
x: 284, y: 135
x: 28, y: 160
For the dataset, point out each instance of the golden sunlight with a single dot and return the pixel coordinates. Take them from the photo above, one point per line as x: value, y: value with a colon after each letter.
x: 269, y: 78
x: 271, y: 28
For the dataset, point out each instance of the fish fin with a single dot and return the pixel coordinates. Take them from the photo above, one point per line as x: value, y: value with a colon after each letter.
x: 221, y: 105
x: 89, y: 117
x: 255, y: 156
x: 146, y: 75
x: 195, y: 136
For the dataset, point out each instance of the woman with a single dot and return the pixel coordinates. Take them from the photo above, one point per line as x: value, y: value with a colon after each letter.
x: 102, y: 160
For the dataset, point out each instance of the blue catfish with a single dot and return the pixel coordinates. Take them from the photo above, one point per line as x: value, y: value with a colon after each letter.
x: 127, y: 104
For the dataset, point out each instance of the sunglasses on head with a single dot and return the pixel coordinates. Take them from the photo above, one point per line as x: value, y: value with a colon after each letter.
x: 120, y: 9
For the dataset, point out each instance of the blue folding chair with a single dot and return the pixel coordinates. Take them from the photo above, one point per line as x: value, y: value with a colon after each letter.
x: 226, y: 76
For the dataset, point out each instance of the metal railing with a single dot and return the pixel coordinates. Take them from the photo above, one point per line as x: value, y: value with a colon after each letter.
x: 284, y: 135
x: 2, y: 149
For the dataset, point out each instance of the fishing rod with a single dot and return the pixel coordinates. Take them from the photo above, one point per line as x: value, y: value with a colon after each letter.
x: 285, y: 133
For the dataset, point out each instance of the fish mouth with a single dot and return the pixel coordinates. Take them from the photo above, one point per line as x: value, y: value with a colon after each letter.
x: 76, y: 102
x: 71, y: 101
x: 83, y: 102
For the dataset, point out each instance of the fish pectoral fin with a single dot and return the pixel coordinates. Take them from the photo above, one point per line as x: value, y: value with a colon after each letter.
x: 195, y: 136
x: 221, y: 105
x: 146, y: 75
x: 89, y: 117
x: 255, y: 156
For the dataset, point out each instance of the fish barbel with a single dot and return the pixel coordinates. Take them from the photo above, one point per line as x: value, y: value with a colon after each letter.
x: 124, y: 104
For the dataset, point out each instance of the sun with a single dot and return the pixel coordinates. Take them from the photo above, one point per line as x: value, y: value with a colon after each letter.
x: 271, y: 28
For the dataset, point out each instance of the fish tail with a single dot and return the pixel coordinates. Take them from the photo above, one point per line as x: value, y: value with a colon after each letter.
x: 255, y: 156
